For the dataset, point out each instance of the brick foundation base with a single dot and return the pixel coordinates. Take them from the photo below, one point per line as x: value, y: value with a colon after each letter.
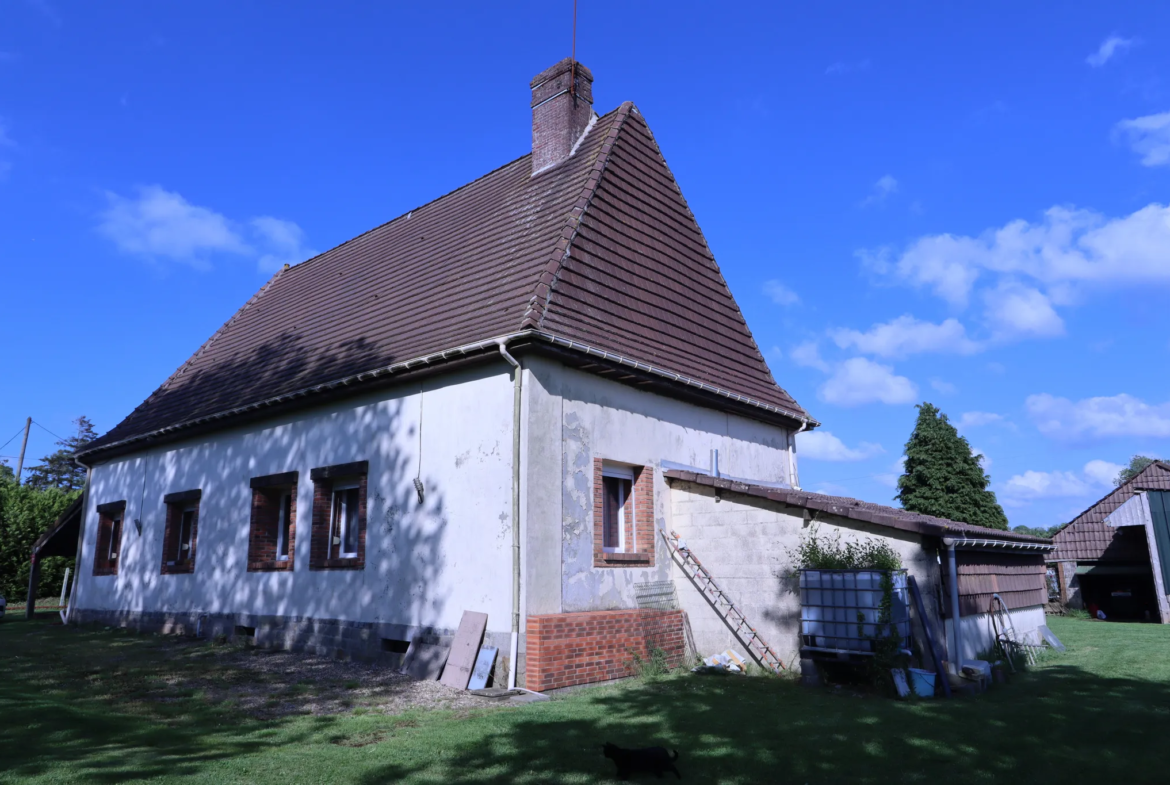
x: 581, y: 648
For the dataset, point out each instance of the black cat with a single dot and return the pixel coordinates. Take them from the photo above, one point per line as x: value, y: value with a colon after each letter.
x: 652, y: 760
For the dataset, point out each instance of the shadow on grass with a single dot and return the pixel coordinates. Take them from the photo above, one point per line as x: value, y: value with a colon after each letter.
x: 1059, y: 725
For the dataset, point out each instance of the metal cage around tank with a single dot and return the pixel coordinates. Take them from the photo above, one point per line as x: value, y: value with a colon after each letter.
x: 840, y: 610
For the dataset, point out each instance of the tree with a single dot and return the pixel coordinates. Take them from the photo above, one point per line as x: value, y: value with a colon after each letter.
x: 25, y: 514
x: 58, y: 470
x: 942, y: 477
x: 1038, y: 531
x: 6, y: 472
x: 1136, y: 464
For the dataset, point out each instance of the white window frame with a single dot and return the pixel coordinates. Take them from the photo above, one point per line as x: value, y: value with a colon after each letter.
x: 115, y: 526
x: 620, y: 473
x: 335, y: 525
x: 181, y: 555
x: 283, y: 525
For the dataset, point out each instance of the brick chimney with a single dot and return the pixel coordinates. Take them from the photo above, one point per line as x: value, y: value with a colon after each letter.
x: 561, y: 111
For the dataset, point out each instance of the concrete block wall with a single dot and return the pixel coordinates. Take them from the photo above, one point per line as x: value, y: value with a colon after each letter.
x: 745, y: 543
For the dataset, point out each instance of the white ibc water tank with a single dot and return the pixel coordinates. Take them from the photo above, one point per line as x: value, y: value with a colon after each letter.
x: 840, y: 610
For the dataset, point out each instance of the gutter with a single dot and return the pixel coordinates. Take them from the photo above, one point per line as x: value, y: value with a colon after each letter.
x: 793, y: 477
x: 957, y: 659
x: 972, y: 543
x: 517, y: 389
x: 436, y: 358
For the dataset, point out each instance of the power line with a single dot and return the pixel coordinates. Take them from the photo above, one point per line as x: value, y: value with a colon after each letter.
x: 46, y: 430
x: 18, y: 432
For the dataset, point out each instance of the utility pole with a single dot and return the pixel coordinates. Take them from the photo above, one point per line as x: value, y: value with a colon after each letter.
x: 23, y: 444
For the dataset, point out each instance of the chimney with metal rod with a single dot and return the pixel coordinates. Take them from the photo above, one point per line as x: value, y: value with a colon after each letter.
x: 562, y: 109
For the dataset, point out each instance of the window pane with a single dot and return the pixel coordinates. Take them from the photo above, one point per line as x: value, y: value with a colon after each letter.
x: 351, y: 521
x: 285, y: 524
x: 185, y: 535
x: 611, y: 505
x: 115, y: 536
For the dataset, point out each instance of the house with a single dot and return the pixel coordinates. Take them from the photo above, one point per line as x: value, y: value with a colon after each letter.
x: 476, y: 406
x: 1115, y: 556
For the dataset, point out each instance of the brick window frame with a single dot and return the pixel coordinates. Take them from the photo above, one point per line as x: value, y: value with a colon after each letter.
x: 322, y: 554
x: 108, y: 549
x: 174, y: 560
x: 639, y: 518
x: 264, y: 535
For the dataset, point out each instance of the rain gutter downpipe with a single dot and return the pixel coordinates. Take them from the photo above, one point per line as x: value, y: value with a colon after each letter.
x: 793, y: 478
x: 516, y: 390
x: 957, y: 660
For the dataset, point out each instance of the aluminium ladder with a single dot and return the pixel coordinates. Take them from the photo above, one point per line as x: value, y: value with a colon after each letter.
x: 718, y: 599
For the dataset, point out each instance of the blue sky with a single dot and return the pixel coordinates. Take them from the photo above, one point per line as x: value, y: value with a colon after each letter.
x: 960, y: 205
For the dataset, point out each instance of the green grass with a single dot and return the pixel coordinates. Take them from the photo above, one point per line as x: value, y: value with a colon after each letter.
x: 100, y: 706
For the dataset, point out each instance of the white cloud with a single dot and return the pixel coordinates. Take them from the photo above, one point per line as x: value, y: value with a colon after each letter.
x: 808, y: 355
x: 780, y: 294
x: 161, y: 224
x: 1015, y: 311
x: 978, y: 419
x: 1102, y: 473
x: 1149, y: 137
x: 883, y: 188
x: 285, y: 241
x: 944, y: 387
x: 858, y: 380
x: 1098, y: 418
x: 890, y: 479
x: 1044, y: 485
x: 906, y: 335
x: 1111, y: 46
x: 1065, y: 252
x: 824, y: 446
x: 1095, y: 477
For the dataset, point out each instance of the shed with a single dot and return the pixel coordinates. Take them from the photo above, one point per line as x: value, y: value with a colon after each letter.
x: 1109, y: 557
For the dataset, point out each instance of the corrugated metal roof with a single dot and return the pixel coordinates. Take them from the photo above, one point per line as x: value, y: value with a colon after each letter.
x: 1088, y: 538
x: 601, y: 250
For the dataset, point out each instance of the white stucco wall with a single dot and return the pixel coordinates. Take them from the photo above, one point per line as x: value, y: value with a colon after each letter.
x: 745, y: 542
x: 425, y: 564
x: 573, y: 417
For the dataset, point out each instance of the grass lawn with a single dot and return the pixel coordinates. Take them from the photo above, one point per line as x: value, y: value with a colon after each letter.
x: 93, y: 706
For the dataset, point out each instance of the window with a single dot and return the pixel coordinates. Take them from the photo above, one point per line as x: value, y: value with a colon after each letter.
x: 338, y: 534
x: 181, y: 532
x: 186, y: 539
x: 617, y: 491
x: 108, y: 547
x: 283, y: 526
x: 623, y: 515
x: 273, y: 534
x: 343, y: 525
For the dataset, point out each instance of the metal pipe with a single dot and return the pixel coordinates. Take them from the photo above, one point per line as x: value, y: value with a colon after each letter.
x: 517, y: 383
x: 957, y: 660
x: 793, y: 477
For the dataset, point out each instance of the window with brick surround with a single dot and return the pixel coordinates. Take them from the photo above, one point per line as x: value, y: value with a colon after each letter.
x: 181, y: 532
x: 108, y: 549
x: 338, y: 536
x: 272, y: 537
x: 623, y: 514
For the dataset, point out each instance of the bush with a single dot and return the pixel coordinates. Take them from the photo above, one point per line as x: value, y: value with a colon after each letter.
x: 829, y: 553
x: 653, y: 665
x: 25, y: 514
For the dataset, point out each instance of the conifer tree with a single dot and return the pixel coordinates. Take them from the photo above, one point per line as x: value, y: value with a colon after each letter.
x: 58, y: 470
x: 942, y: 477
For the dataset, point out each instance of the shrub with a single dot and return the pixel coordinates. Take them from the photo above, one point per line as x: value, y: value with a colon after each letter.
x: 829, y: 553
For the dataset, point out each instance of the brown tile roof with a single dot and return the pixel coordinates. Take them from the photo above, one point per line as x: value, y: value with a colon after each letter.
x: 600, y: 251
x: 855, y: 509
x: 1088, y: 538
